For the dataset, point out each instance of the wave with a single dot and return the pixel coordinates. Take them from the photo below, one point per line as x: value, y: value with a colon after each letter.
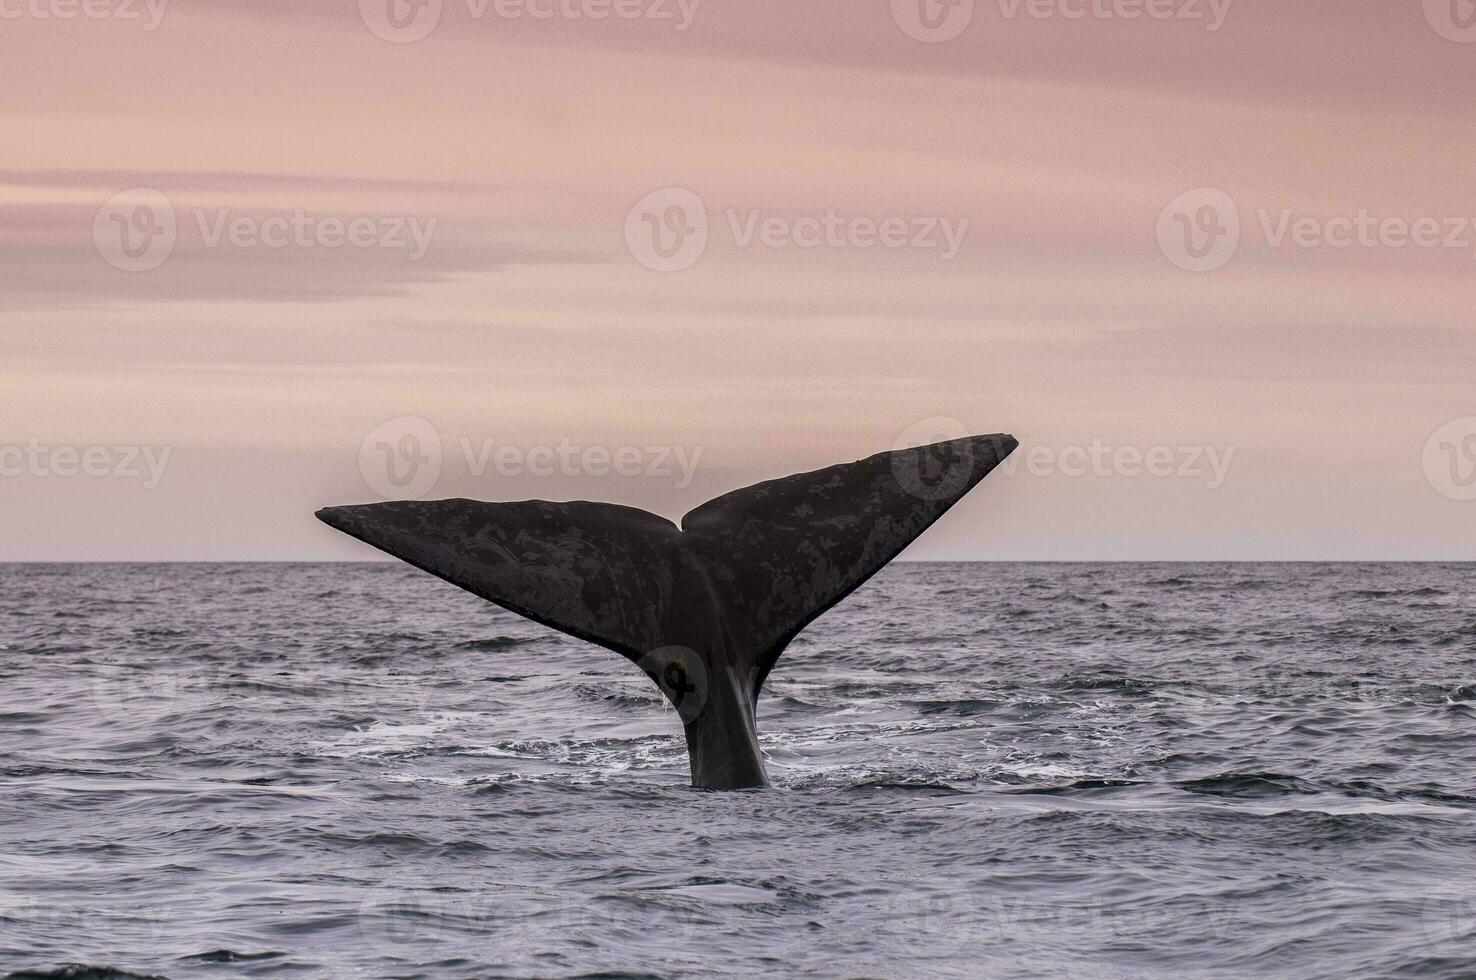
x: 1249, y: 784
x: 81, y: 971
x: 493, y: 644
x: 229, y: 956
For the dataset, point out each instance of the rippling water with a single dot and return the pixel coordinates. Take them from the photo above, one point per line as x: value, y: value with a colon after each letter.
x: 1111, y: 770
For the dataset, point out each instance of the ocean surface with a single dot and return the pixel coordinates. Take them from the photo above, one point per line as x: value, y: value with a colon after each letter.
x: 1135, y: 770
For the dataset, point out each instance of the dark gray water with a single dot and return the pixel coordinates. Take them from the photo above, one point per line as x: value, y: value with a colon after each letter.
x: 1109, y: 770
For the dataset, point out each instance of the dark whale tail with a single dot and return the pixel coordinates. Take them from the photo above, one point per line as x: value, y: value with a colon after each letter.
x: 705, y: 609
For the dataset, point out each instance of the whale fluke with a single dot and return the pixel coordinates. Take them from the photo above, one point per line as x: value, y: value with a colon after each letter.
x: 705, y: 609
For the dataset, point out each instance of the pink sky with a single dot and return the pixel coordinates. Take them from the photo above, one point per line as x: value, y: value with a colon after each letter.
x: 1304, y: 400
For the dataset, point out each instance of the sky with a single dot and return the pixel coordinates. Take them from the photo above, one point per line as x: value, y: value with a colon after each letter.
x: 1213, y: 263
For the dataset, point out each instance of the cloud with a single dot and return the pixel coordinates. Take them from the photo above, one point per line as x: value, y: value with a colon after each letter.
x: 245, y: 237
x: 1322, y: 52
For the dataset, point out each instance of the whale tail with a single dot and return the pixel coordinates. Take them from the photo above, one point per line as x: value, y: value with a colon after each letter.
x: 705, y: 609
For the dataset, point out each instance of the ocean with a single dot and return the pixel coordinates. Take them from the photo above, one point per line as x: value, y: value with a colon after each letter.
x: 997, y: 770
